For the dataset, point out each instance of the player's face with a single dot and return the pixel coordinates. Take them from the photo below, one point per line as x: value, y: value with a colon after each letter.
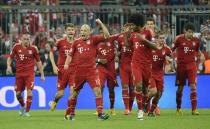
x: 25, y: 40
x: 70, y: 31
x: 150, y: 25
x: 85, y: 32
x: 189, y: 34
x: 161, y: 39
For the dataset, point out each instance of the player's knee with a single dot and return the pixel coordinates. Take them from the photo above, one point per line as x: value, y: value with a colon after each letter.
x: 60, y: 93
x: 29, y: 92
x: 97, y: 91
x: 193, y: 88
x: 18, y: 95
x: 180, y: 89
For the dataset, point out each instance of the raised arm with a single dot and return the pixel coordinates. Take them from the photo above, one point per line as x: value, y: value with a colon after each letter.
x: 104, y: 29
x: 147, y: 42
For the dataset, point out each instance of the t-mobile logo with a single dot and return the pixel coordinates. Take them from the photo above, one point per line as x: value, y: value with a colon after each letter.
x: 80, y: 49
x: 21, y: 56
x: 104, y: 52
x: 67, y: 52
x: 186, y: 49
x: 155, y: 57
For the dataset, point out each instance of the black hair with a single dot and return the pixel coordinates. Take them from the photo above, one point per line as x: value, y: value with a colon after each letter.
x: 137, y: 19
x: 189, y: 26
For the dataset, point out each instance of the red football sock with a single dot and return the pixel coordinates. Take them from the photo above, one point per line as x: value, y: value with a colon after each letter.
x: 178, y: 100
x: 112, y: 100
x: 154, y: 105
x: 131, y: 99
x: 72, y: 105
x: 28, y: 103
x: 125, y: 98
x: 99, y: 105
x: 139, y: 100
x: 20, y: 100
x: 193, y: 97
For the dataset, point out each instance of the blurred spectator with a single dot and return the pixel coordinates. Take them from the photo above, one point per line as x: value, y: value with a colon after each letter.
x: 167, y: 31
x: 205, y: 38
x: 157, y: 2
x: 41, y: 39
x: 12, y: 38
x: 45, y: 59
x: 207, y: 64
x: 3, y: 60
x: 2, y: 42
x: 58, y: 33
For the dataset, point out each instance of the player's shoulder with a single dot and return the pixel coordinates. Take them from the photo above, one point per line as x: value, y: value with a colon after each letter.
x: 34, y: 47
x: 196, y: 39
x: 16, y: 45
x: 60, y: 40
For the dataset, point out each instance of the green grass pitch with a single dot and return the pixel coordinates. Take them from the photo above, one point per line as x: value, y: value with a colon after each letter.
x: 44, y: 119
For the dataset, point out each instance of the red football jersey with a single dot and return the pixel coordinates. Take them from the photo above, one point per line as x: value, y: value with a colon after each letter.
x: 125, y: 52
x: 25, y: 58
x: 158, y: 57
x: 141, y: 53
x: 64, y: 48
x: 83, y: 52
x: 106, y: 49
x: 186, y: 49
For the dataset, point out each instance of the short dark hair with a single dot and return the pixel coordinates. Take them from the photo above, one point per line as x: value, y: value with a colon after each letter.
x: 137, y: 19
x: 189, y: 26
x: 150, y: 19
x: 68, y: 25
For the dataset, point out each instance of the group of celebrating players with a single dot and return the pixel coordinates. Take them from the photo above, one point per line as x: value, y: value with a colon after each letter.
x: 141, y: 52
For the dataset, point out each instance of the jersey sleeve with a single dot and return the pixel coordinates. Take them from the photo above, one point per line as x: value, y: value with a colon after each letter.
x: 175, y: 43
x: 97, y: 39
x: 36, y: 54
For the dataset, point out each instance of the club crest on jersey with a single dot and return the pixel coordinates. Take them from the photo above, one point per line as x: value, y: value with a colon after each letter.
x: 153, y: 51
x: 163, y: 52
x: 19, y: 51
x: 193, y: 43
x: 88, y: 42
x: 29, y: 51
x: 184, y: 43
x: 108, y: 44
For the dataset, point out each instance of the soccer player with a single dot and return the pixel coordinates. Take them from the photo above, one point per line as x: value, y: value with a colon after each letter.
x: 187, y: 50
x: 125, y: 70
x: 63, y: 47
x: 141, y: 63
x: 26, y: 56
x: 106, y: 66
x: 157, y: 79
x: 83, y: 54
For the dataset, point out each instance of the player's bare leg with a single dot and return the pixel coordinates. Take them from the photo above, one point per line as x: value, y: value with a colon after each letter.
x: 193, y: 97
x: 22, y: 104
x: 139, y: 99
x: 99, y: 103
x: 58, y: 95
x: 152, y: 93
x: 179, y: 100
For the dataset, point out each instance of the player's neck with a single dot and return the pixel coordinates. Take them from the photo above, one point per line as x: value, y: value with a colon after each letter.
x: 25, y: 46
x: 70, y: 39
